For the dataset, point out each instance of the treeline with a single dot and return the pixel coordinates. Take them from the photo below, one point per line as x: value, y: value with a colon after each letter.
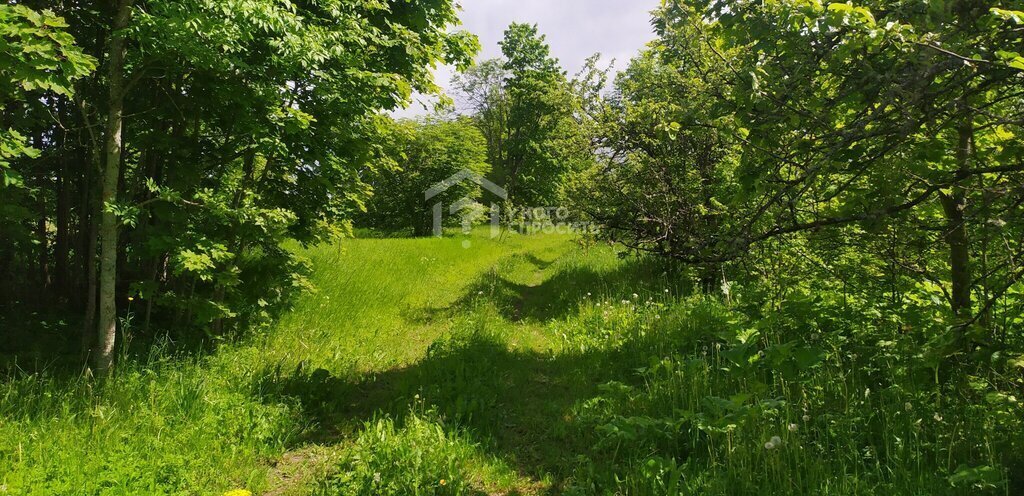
x: 162, y: 151
x: 164, y: 157
x: 532, y: 122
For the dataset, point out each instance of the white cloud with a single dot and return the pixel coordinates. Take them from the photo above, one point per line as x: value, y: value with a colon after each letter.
x: 575, y: 29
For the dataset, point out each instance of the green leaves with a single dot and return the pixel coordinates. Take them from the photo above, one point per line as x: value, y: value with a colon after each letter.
x: 12, y: 146
x: 36, y: 54
x: 852, y: 15
x: 1012, y: 16
x: 983, y: 477
x: 1011, y: 59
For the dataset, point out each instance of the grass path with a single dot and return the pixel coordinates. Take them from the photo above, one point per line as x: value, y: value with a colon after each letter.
x: 380, y: 303
x: 380, y: 306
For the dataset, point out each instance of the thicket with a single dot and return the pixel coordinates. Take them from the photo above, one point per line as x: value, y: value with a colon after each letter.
x: 167, y: 155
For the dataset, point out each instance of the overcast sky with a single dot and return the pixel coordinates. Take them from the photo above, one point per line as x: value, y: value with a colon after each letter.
x: 575, y: 29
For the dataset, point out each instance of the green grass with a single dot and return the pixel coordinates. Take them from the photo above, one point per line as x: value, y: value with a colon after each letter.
x: 526, y: 365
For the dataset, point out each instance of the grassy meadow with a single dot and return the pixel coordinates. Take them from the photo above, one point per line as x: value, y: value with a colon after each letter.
x: 524, y: 365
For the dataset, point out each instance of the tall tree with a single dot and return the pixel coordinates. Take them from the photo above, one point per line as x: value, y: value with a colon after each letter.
x: 667, y: 169
x: 104, y: 357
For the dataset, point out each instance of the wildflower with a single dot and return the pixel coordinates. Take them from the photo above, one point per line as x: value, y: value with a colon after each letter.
x: 938, y: 418
x: 773, y: 443
x: 666, y: 290
x: 807, y: 418
x: 443, y: 482
x: 481, y: 293
x: 131, y: 299
x: 625, y: 302
x: 636, y: 296
x: 867, y: 392
x: 793, y: 427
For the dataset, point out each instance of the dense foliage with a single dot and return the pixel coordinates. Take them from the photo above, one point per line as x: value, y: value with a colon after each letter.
x: 529, y: 113
x: 884, y: 145
x: 428, y: 154
x: 213, y: 132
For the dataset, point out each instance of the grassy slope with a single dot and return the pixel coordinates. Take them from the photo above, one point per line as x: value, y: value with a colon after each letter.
x: 201, y: 425
x: 528, y: 365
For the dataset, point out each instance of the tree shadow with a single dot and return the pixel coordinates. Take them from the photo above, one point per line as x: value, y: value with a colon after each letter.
x: 518, y: 404
x: 561, y: 294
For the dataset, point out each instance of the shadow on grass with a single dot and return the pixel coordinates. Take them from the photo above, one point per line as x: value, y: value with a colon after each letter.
x: 518, y: 405
x: 560, y: 295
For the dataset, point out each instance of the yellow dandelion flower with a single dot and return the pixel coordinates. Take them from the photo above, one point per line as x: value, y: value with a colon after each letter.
x: 443, y: 482
x: 131, y: 298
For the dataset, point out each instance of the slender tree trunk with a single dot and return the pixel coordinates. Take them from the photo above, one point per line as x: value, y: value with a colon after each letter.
x: 89, y: 233
x: 111, y: 172
x: 91, y: 281
x: 62, y: 247
x: 42, y: 237
x: 954, y: 205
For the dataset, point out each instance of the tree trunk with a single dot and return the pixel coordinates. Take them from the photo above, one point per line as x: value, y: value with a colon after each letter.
x: 42, y: 237
x: 954, y: 205
x: 62, y: 247
x: 111, y: 172
x: 959, y: 253
x: 89, y: 322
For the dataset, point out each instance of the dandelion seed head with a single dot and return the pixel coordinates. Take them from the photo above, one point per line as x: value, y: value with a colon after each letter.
x: 793, y: 427
x: 807, y: 418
